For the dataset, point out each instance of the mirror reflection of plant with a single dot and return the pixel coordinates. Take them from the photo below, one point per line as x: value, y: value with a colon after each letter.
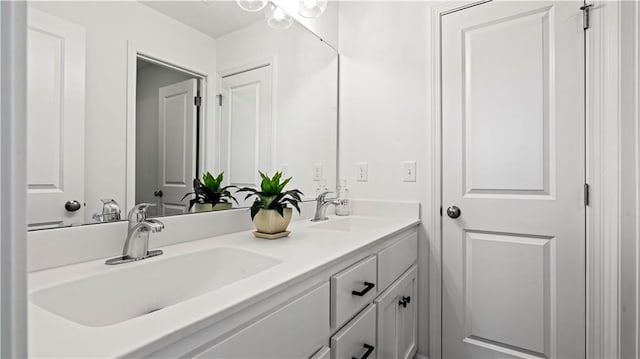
x: 271, y: 195
x: 209, y: 190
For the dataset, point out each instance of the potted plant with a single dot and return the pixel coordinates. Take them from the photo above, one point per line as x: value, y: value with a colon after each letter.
x: 208, y: 195
x: 270, y: 212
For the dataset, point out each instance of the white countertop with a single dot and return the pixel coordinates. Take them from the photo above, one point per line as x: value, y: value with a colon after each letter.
x: 305, y: 251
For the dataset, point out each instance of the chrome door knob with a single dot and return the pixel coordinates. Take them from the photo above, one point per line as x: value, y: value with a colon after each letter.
x: 72, y: 206
x: 453, y: 212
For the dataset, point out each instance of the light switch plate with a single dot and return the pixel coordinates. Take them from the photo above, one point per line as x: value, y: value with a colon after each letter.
x: 362, y: 172
x: 409, y: 171
x: 317, y: 171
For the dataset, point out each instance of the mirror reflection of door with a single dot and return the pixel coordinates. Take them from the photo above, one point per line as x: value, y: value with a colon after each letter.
x: 166, y: 137
x: 55, y: 121
x: 246, y: 128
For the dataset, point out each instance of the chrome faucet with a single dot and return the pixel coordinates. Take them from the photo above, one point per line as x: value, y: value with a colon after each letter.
x: 136, y: 247
x: 110, y: 211
x: 321, y: 206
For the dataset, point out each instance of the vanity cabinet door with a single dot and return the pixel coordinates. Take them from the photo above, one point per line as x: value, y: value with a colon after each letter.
x: 296, y: 330
x: 396, y: 318
x: 408, y: 321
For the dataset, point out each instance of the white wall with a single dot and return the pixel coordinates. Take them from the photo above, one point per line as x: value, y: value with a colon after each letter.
x: 149, y: 81
x: 384, y: 117
x: 305, y: 96
x: 111, y: 27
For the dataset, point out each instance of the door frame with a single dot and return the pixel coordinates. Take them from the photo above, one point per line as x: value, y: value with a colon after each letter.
x: 134, y: 53
x: 13, y: 180
x: 603, y: 148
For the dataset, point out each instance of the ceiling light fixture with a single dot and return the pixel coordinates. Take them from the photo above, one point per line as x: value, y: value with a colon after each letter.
x: 312, y: 8
x: 252, y: 5
x: 277, y: 18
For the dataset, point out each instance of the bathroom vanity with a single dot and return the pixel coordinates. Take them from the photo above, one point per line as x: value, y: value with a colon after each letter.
x: 342, y: 288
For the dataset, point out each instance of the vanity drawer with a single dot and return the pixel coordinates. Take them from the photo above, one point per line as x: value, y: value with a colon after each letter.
x: 352, y: 289
x: 358, y: 338
x: 396, y: 259
x: 295, y: 330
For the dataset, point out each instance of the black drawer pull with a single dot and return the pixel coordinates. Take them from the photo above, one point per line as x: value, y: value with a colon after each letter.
x: 367, y: 353
x: 367, y: 288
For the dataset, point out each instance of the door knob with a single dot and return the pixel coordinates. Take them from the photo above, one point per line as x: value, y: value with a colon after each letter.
x: 72, y: 206
x: 158, y: 193
x: 453, y: 212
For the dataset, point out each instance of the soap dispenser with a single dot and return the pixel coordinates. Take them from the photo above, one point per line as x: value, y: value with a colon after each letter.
x: 343, y: 207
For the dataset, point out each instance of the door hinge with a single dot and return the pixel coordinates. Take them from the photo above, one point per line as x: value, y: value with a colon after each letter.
x: 197, y: 101
x: 586, y: 194
x: 219, y: 96
x: 586, y: 8
x: 440, y: 211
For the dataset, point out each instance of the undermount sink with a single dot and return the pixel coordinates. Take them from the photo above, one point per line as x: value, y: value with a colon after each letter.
x: 350, y: 224
x: 136, y: 289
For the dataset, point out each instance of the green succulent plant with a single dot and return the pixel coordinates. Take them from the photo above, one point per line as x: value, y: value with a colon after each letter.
x: 209, y: 190
x: 271, y: 194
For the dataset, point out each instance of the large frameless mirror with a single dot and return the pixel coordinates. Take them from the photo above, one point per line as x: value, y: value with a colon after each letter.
x: 129, y: 102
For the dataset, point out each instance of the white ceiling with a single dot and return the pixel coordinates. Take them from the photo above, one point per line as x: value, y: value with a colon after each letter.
x: 213, y: 17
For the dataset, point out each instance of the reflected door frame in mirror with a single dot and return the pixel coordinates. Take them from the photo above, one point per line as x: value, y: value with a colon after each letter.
x: 194, y: 66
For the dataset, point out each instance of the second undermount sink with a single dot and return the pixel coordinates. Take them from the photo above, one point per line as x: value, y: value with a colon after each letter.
x: 136, y: 289
x: 350, y: 224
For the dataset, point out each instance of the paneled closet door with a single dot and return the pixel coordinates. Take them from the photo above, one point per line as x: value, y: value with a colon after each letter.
x: 513, y: 176
x: 246, y: 127
x: 177, y: 144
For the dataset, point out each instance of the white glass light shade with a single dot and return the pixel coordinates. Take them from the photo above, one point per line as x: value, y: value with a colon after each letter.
x: 312, y: 8
x: 252, y: 5
x: 277, y: 18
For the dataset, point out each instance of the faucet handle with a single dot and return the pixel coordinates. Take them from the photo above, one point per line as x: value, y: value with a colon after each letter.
x: 139, y: 212
x: 323, y: 195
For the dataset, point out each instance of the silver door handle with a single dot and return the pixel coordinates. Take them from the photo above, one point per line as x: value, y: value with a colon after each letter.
x: 453, y: 212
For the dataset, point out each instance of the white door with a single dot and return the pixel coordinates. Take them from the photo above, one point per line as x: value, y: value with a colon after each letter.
x: 514, y: 164
x: 246, y: 127
x: 55, y: 121
x: 177, y: 127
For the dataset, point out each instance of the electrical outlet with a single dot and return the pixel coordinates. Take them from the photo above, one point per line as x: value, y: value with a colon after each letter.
x: 362, y: 174
x: 409, y: 171
x: 317, y: 171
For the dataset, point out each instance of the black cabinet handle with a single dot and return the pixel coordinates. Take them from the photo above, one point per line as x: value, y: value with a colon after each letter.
x: 367, y: 287
x: 404, y: 301
x: 367, y: 353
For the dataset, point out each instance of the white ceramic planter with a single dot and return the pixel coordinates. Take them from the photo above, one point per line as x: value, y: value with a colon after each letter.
x: 207, y: 207
x: 270, y: 221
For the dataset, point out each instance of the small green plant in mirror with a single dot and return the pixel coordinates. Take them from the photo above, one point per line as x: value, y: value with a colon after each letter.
x: 210, y: 190
x: 272, y: 195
